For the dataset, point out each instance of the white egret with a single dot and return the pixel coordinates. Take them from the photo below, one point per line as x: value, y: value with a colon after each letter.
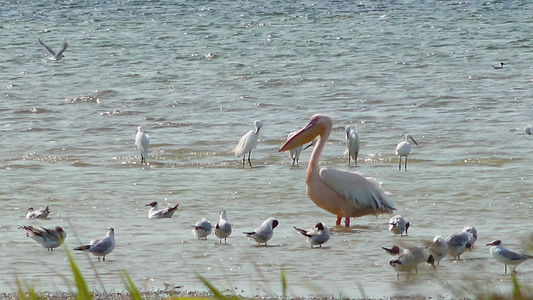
x: 403, y: 149
x: 352, y: 144
x: 142, y: 143
x: 247, y: 143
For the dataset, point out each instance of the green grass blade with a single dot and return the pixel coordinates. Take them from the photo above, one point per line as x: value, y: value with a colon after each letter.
x: 132, y: 289
x: 517, y: 294
x: 20, y: 291
x: 216, y: 293
x: 283, y: 283
x: 83, y: 290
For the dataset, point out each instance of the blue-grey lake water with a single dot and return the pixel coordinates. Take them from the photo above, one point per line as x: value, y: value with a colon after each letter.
x: 197, y: 74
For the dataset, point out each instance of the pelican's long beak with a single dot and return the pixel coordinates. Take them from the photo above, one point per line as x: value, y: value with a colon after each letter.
x: 305, y: 135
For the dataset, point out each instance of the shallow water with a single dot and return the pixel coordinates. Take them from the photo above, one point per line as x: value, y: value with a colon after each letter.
x: 197, y: 75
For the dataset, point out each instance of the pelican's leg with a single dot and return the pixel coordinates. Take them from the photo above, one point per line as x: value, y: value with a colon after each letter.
x: 338, y: 221
x: 347, y: 221
x: 249, y: 161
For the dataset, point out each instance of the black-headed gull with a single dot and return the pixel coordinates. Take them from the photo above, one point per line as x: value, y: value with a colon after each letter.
x: 438, y: 248
x: 58, y: 55
x: 247, y: 143
x: 47, y: 237
x: 223, y: 227
x: 507, y: 257
x: 102, y: 246
x: 142, y: 142
x: 458, y: 243
x: 263, y: 233
x: 202, y: 229
x: 408, y: 259
x: 500, y: 66
x: 318, y: 235
x: 156, y: 213
x: 37, y: 214
x: 398, y: 225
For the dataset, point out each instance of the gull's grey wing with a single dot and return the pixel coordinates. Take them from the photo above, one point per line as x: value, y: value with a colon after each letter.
x: 65, y: 46
x: 49, y: 49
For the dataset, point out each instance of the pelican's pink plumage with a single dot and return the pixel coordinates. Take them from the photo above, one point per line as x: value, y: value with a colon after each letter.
x: 343, y: 194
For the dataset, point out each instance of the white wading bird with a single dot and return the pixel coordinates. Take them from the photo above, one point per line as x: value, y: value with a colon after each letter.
x: 318, y: 235
x: 403, y: 149
x: 247, y: 143
x: 38, y: 214
x: 341, y: 193
x: 507, y: 257
x: 156, y: 213
x: 223, y: 227
x: 398, y: 225
x: 47, y: 237
x: 295, y: 153
x: 438, y: 248
x: 202, y: 229
x: 55, y: 56
x: 142, y: 143
x: 100, y: 247
x: 352, y: 144
x: 263, y: 233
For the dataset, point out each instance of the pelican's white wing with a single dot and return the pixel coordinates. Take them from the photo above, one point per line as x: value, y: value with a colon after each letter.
x: 361, y: 191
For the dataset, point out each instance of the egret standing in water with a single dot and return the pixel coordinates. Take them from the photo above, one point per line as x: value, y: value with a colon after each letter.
x: 341, y: 193
x: 142, y: 143
x: 295, y: 153
x: 352, y: 144
x: 403, y: 149
x: 247, y: 143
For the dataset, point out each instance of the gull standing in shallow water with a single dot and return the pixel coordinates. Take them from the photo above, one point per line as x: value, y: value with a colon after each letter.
x: 507, y: 257
x: 202, y: 229
x: 403, y: 149
x: 352, y: 144
x: 142, y: 143
x: 55, y: 56
x: 438, y: 248
x: 223, y: 227
x: 100, y: 247
x: 263, y: 233
x: 247, y: 143
x: 407, y: 259
x: 398, y: 225
x: 37, y: 214
x: 318, y: 235
x: 48, y: 238
x: 344, y: 194
x: 156, y: 213
x: 458, y: 243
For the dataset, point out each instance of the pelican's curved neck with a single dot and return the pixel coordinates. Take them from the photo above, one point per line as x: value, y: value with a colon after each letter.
x: 314, y: 161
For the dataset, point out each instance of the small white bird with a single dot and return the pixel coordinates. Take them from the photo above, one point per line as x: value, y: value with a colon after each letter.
x: 100, y: 247
x: 263, y: 233
x: 223, y: 227
x: 458, y: 243
x: 507, y: 257
x: 403, y: 149
x: 408, y: 259
x: 318, y: 235
x: 156, y: 213
x: 142, y: 143
x: 247, y: 143
x: 437, y: 248
x: 37, y: 214
x: 529, y: 129
x: 398, y: 225
x: 202, y: 229
x: 500, y: 66
x: 352, y: 144
x: 47, y: 237
x: 55, y: 56
x: 295, y: 153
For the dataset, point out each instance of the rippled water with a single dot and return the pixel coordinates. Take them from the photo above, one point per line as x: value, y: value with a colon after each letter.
x: 197, y: 74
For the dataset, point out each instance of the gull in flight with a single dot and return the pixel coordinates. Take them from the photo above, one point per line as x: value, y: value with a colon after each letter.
x: 156, y: 213
x: 507, y: 257
x: 55, y: 56
x: 318, y: 235
x: 263, y: 233
x: 202, y: 229
x: 344, y: 194
x: 47, y: 237
x: 37, y: 214
x: 247, y: 143
x: 223, y: 227
x: 102, y: 246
